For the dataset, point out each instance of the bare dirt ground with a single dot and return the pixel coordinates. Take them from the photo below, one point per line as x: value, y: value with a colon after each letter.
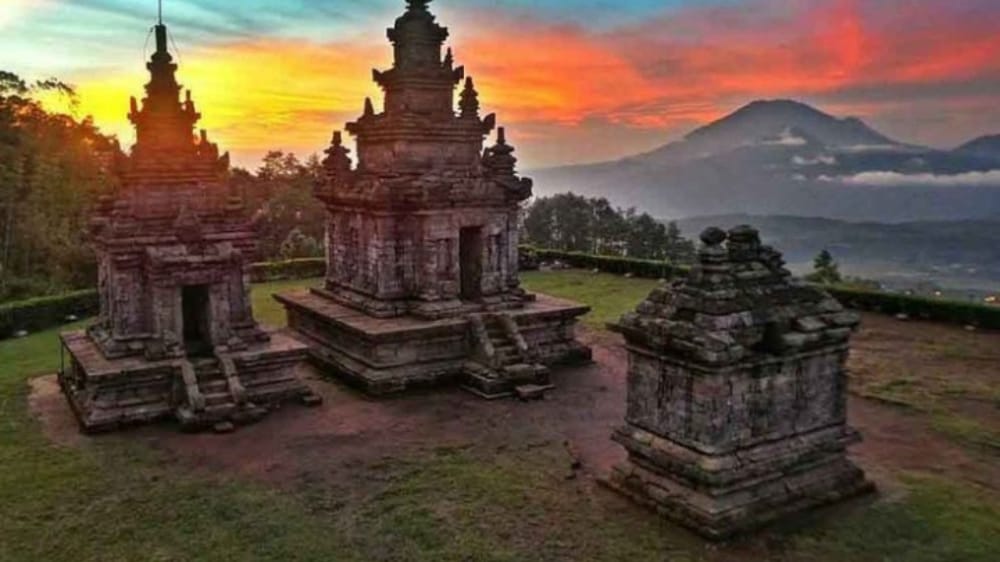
x: 349, y: 433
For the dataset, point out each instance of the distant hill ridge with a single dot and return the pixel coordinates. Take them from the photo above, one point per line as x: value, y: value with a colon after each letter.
x: 786, y: 157
x: 988, y: 145
x: 967, y: 250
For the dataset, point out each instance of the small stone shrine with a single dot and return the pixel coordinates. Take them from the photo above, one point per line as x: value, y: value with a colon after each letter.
x: 176, y: 335
x: 422, y: 279
x: 737, y: 393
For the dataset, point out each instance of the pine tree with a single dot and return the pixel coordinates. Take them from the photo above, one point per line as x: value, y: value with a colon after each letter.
x: 825, y: 269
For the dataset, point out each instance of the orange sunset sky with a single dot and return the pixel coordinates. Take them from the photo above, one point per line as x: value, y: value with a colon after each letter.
x: 573, y: 81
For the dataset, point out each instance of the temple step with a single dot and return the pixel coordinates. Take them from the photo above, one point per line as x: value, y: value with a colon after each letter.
x: 214, y: 395
x: 503, y: 360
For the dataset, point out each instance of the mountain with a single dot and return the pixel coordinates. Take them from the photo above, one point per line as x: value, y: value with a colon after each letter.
x: 785, y: 157
x: 988, y: 146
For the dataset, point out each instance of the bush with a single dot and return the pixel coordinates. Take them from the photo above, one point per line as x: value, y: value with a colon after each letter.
x: 939, y: 310
x: 650, y: 269
x: 304, y: 268
x: 44, y: 312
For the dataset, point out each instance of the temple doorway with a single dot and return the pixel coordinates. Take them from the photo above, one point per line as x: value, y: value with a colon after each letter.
x: 197, y: 323
x: 470, y: 250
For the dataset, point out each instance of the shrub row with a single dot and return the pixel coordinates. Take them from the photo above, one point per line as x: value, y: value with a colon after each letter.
x: 651, y: 269
x: 924, y: 308
x: 44, y: 312
x: 305, y: 268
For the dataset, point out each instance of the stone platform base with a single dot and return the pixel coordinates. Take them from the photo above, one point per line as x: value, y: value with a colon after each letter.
x: 238, y: 387
x: 391, y: 355
x: 722, y: 495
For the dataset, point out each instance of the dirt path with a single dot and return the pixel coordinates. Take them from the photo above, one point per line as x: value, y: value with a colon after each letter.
x: 350, y: 432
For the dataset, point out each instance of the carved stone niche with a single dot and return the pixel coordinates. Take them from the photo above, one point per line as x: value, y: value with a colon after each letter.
x: 737, y: 393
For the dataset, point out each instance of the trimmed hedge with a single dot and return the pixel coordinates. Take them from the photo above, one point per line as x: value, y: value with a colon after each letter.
x: 44, y: 312
x: 651, y: 269
x: 305, y: 268
x: 924, y: 308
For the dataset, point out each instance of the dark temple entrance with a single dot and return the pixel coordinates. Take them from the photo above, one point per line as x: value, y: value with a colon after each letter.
x: 197, y: 324
x: 470, y: 249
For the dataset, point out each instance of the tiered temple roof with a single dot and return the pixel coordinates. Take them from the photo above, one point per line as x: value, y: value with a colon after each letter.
x: 420, y: 152
x: 739, y: 304
x: 170, y: 170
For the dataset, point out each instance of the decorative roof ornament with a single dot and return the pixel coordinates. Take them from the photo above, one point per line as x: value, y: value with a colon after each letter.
x: 417, y: 5
x: 337, y: 162
x: 469, y: 103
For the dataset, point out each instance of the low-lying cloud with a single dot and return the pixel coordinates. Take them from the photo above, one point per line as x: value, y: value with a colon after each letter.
x: 989, y: 178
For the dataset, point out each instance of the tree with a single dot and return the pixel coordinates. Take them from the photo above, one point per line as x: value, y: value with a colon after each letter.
x: 825, y: 269
x: 573, y: 223
x: 298, y: 245
x: 52, y: 167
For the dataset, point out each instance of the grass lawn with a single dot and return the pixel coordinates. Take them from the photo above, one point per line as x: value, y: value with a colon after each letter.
x: 115, y: 499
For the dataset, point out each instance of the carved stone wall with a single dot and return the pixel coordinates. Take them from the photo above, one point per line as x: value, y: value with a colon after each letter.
x: 737, y: 393
x: 176, y: 333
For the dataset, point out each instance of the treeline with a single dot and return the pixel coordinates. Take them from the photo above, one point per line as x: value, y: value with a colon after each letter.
x: 290, y: 223
x: 574, y: 223
x: 51, y: 168
x: 54, y: 167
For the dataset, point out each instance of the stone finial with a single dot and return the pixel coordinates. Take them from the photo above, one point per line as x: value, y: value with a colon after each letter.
x: 499, y: 158
x: 337, y: 162
x: 713, y: 236
x: 469, y: 103
x: 417, y: 5
x: 369, y: 108
x: 744, y: 244
x: 449, y: 59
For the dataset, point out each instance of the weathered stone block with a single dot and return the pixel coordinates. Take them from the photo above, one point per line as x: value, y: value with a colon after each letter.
x: 736, y: 408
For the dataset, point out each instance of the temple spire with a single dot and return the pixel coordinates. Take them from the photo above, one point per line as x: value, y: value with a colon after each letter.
x: 469, y: 103
x: 161, y: 30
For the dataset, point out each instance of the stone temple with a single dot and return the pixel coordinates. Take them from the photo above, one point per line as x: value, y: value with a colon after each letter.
x: 737, y: 393
x: 422, y: 281
x: 176, y: 336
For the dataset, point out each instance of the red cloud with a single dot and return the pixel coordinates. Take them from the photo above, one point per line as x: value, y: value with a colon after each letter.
x: 695, y: 63
x: 573, y: 93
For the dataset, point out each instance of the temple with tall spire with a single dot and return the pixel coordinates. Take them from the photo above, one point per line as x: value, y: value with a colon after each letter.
x: 176, y: 335
x: 422, y: 281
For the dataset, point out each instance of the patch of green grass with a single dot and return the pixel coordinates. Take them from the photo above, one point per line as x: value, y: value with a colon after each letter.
x: 967, y: 430
x: 936, y: 398
x: 937, y: 521
x: 610, y: 296
x: 115, y: 499
x: 269, y: 311
x: 456, y: 505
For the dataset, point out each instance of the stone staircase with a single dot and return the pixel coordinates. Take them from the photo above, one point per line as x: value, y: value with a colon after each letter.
x: 212, y: 396
x: 503, y: 364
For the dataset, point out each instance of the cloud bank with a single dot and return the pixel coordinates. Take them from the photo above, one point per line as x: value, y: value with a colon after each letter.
x: 989, y: 178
